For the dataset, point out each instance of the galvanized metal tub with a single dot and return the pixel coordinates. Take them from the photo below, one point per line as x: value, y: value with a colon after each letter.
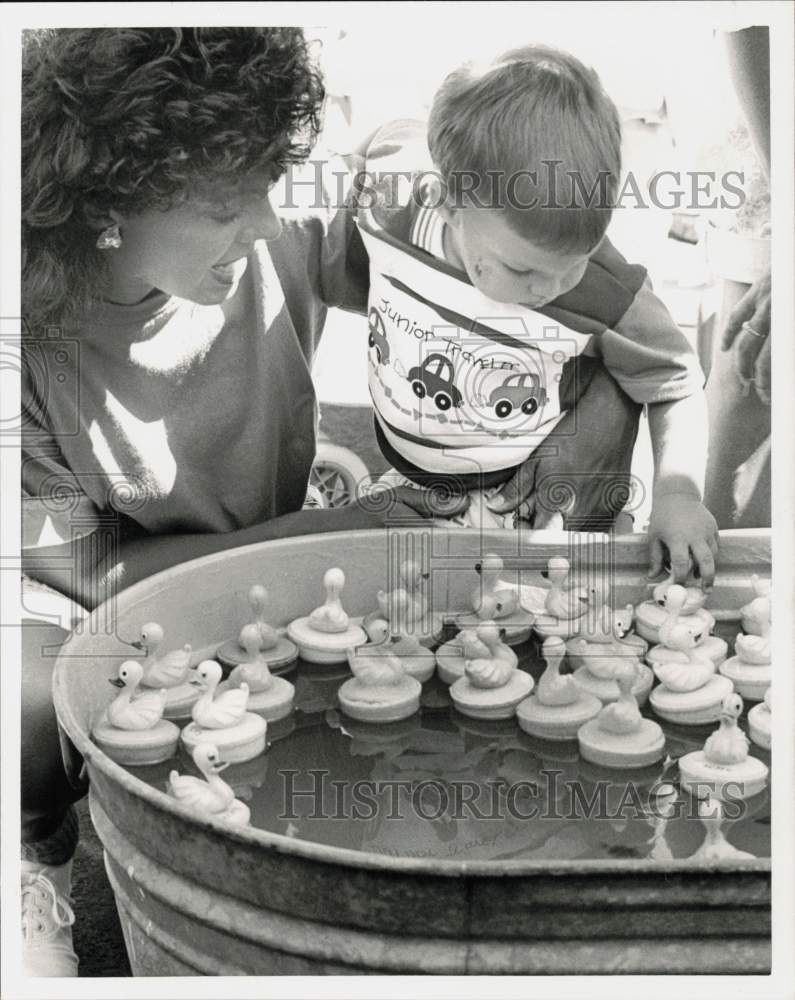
x: 196, y: 897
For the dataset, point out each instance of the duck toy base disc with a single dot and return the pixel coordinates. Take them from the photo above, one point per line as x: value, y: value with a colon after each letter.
x: 750, y: 680
x: 641, y: 748
x: 230, y: 654
x: 556, y: 722
x: 272, y: 704
x: 450, y: 661
x: 701, y: 777
x: 324, y: 647
x: 243, y: 741
x: 631, y: 645
x: 491, y: 703
x: 692, y: 708
x: 649, y: 616
x: 137, y: 747
x: 607, y: 690
x: 180, y: 700
x: 759, y: 722
x: 418, y: 666
x: 711, y: 647
x: 549, y: 627
x: 516, y: 626
x: 380, y: 703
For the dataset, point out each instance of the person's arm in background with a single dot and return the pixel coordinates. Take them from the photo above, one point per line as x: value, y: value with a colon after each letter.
x: 747, y: 331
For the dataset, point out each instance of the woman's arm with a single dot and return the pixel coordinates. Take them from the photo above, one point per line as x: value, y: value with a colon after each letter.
x: 92, y: 568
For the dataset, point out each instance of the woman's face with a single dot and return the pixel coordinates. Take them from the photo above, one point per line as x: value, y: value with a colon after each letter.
x: 196, y: 250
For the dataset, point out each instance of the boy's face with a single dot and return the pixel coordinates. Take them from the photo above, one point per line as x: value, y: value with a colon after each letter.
x: 505, y: 266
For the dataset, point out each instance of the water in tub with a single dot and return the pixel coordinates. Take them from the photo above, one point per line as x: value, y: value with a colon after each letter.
x: 440, y: 785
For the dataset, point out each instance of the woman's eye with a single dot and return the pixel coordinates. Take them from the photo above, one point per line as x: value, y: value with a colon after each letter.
x: 226, y: 220
x: 519, y: 272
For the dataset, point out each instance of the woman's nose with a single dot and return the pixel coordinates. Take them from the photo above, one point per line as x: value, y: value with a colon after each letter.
x: 262, y: 223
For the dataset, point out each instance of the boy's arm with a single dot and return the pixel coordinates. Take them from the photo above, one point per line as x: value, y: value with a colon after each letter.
x: 679, y: 520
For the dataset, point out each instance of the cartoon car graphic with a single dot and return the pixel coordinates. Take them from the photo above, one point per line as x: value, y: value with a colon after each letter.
x: 434, y: 378
x: 522, y: 390
x: 377, y: 338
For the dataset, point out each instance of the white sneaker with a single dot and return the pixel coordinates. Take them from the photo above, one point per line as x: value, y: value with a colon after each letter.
x: 47, y: 919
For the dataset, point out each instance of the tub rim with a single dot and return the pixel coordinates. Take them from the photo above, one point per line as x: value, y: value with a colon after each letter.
x: 348, y: 857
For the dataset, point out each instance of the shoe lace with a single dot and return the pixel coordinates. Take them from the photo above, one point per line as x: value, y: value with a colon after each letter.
x: 39, y: 896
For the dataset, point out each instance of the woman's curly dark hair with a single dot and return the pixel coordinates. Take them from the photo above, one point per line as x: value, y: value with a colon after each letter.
x: 133, y: 118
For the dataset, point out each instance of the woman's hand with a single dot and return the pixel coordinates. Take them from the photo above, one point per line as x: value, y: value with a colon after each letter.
x: 748, y: 332
x: 682, y: 524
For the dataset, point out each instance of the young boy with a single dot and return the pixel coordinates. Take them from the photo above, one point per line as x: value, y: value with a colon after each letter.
x: 494, y: 293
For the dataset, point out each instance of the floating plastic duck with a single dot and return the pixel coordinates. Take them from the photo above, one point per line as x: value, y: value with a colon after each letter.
x: 558, y: 707
x: 277, y: 651
x: 417, y: 660
x: 452, y: 656
x: 652, y: 619
x: 492, y: 686
x: 380, y: 689
x: 715, y: 847
x: 600, y: 665
x: 132, y: 729
x: 750, y: 670
x: 164, y: 671
x: 269, y: 696
x: 724, y: 764
x: 406, y: 607
x: 217, y: 711
x: 563, y: 601
x: 756, y: 614
x: 325, y: 635
x: 694, y: 596
x: 494, y: 669
x: 760, y: 722
x: 493, y: 600
x: 674, y: 645
x: 619, y: 736
x: 606, y: 633
x: 331, y: 616
x: 690, y: 693
x: 221, y: 718
x: 209, y: 795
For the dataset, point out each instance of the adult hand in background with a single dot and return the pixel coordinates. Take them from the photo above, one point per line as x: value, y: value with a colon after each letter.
x: 747, y: 334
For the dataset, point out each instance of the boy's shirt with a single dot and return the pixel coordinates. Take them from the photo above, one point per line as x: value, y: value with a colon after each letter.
x: 462, y: 384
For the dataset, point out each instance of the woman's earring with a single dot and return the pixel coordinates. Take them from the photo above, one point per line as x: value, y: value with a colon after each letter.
x: 109, y: 238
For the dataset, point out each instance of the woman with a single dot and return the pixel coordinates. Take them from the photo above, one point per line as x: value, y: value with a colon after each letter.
x: 168, y: 409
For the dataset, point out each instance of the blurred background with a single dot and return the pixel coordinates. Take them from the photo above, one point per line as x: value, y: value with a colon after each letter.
x: 665, y: 67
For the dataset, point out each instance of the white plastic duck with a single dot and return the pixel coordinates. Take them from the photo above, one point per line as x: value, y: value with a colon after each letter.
x: 166, y: 671
x: 502, y: 601
x: 209, y: 794
x: 693, y: 671
x: 254, y: 671
x: 555, y: 688
x: 331, y: 616
x: 728, y: 744
x: 417, y: 660
x: 607, y: 625
x: 563, y: 601
x: 496, y: 669
x: 715, y: 847
x: 622, y: 716
x: 694, y: 597
x: 755, y: 648
x: 375, y: 668
x: 405, y: 606
x: 674, y: 603
x: 756, y: 614
x: 268, y: 635
x: 133, y: 709
x: 217, y: 711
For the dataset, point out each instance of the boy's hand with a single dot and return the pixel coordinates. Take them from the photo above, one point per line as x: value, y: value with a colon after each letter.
x: 683, y: 525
